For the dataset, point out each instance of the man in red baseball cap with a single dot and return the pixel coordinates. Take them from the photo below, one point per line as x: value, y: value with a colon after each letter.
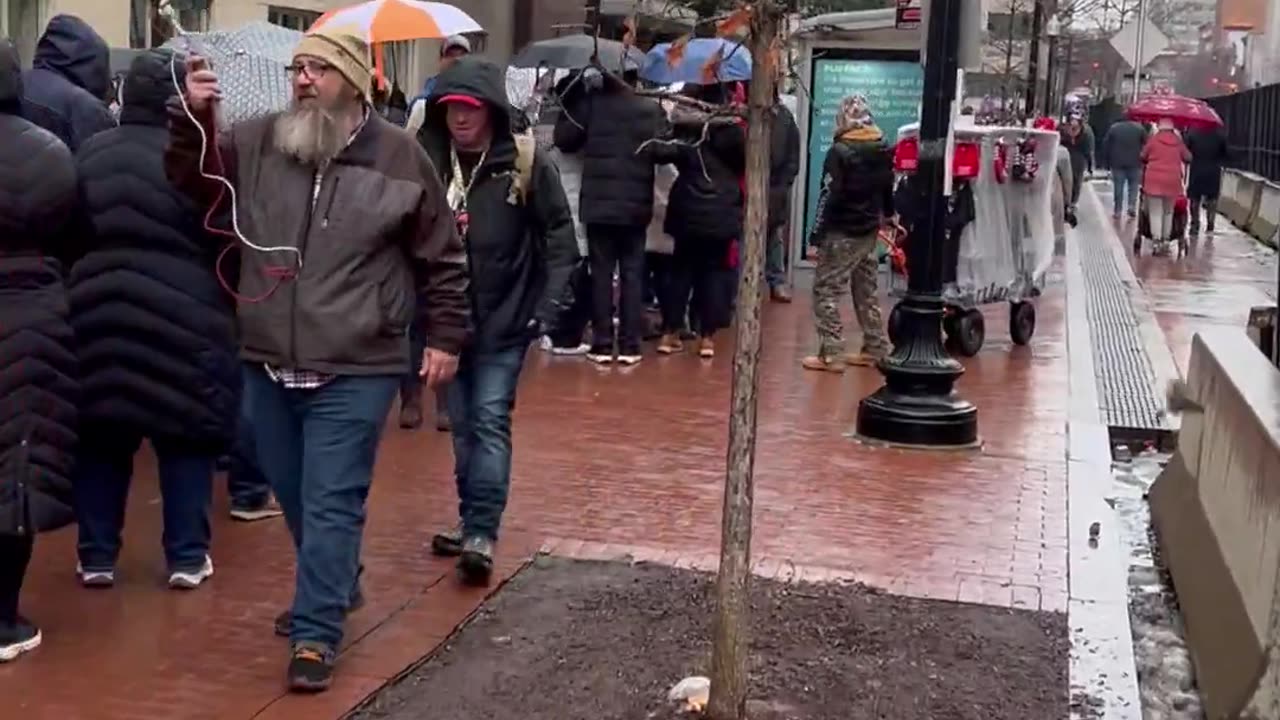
x: 514, y: 219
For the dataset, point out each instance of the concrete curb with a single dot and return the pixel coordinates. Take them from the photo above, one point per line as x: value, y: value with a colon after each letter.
x: 1102, y: 665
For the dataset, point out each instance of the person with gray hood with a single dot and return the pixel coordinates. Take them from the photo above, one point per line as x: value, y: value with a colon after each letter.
x: 1122, y: 154
x: 66, y: 88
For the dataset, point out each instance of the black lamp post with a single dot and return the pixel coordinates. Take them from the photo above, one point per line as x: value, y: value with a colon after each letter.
x: 1052, y: 30
x: 918, y: 404
x: 1033, y: 59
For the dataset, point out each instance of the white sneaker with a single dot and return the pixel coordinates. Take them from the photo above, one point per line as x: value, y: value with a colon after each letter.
x: 21, y: 638
x: 629, y: 360
x: 568, y: 351
x: 96, y: 578
x: 192, y: 580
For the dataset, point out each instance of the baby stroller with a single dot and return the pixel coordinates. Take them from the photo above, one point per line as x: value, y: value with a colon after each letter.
x: 1177, y: 229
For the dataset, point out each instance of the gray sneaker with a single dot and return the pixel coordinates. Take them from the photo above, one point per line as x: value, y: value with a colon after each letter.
x: 447, y: 543
x: 476, y: 561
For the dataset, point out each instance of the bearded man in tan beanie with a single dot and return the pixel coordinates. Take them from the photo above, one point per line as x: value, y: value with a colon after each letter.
x: 344, y: 232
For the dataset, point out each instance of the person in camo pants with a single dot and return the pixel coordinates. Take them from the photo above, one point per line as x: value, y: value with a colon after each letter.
x: 857, y: 197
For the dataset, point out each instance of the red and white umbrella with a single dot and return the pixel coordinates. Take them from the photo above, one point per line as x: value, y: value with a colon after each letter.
x: 383, y: 21
x: 1185, y: 112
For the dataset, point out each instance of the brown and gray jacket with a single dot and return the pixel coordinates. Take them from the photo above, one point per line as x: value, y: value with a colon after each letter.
x: 376, y: 241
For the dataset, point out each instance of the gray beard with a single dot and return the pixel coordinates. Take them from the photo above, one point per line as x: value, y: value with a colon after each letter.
x: 311, y: 135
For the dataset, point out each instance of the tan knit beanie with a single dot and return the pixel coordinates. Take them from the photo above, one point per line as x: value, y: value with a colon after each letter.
x: 345, y: 50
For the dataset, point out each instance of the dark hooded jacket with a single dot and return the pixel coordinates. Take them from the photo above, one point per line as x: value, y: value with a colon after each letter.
x: 155, y: 332
x: 706, y: 201
x: 38, y: 389
x: 857, y: 185
x: 610, y: 128
x: 66, y: 88
x: 1209, y: 153
x: 520, y: 253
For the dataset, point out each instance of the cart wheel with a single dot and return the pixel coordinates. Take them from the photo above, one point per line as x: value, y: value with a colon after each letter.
x: 971, y: 331
x: 951, y: 323
x: 1022, y: 322
x: 895, y: 325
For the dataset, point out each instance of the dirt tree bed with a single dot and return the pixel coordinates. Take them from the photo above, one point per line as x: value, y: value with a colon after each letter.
x: 569, y: 640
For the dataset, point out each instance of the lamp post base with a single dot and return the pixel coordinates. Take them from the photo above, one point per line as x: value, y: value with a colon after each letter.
x: 918, y: 404
x: 940, y: 421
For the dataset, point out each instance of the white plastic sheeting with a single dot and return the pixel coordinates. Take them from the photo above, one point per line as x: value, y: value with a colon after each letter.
x: 1005, y: 253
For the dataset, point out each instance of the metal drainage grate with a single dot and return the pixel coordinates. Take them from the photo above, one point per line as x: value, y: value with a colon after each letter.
x: 1125, y: 376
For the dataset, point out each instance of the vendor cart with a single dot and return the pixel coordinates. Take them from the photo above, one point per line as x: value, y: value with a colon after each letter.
x: 1002, y: 227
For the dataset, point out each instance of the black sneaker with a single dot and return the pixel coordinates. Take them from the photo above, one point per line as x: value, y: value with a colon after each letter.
x: 17, y: 639
x: 476, y: 560
x: 310, y: 668
x: 284, y: 621
x: 447, y: 543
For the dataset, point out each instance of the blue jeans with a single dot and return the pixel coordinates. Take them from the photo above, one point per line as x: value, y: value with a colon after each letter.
x: 246, y: 484
x: 317, y: 447
x: 775, y: 264
x: 1125, y: 183
x: 102, y: 476
x: 481, y: 398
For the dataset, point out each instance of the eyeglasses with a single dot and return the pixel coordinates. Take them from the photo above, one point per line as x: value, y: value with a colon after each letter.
x: 313, y: 70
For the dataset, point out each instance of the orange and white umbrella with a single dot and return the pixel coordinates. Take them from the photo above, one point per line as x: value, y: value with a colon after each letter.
x: 384, y: 21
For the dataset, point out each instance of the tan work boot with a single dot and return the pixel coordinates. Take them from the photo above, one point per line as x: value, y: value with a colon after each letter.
x: 823, y: 364
x: 411, y: 406
x: 670, y: 344
x: 780, y: 295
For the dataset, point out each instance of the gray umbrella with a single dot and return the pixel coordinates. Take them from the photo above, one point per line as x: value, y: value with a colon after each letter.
x: 251, y: 64
x: 574, y: 51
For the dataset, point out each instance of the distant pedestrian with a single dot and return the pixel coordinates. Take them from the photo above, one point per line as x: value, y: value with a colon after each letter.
x: 1077, y: 137
x: 509, y: 207
x: 324, y: 323
x: 1165, y: 157
x: 856, y: 199
x: 38, y: 380
x: 1122, y: 155
x: 66, y: 90
x: 1209, y: 154
x: 453, y: 48
x: 150, y: 268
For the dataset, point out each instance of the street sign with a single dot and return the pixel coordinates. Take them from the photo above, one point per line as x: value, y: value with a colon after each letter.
x: 909, y: 14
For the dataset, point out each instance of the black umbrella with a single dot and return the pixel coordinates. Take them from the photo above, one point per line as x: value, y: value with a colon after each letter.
x: 575, y: 51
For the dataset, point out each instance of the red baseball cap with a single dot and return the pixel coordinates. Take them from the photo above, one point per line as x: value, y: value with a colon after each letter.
x: 463, y: 99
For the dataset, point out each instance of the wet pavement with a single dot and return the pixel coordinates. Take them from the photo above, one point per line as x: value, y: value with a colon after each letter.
x: 608, y: 462
x: 1222, y: 276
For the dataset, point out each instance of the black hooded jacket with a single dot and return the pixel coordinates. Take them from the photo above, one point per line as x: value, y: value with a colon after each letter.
x: 784, y: 164
x: 155, y: 331
x: 706, y: 201
x: 857, y: 192
x: 38, y: 388
x: 520, y: 253
x: 610, y: 127
x: 66, y: 87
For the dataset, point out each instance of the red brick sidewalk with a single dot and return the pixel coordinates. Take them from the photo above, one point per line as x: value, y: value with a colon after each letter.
x: 607, y: 462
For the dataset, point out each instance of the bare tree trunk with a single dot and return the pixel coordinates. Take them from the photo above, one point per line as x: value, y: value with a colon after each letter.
x: 729, y: 652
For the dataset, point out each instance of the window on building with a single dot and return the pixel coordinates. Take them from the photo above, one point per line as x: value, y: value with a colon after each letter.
x: 148, y: 28
x: 299, y: 20
x: 23, y: 21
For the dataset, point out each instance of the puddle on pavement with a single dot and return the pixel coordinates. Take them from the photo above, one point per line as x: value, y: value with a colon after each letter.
x: 1166, y: 679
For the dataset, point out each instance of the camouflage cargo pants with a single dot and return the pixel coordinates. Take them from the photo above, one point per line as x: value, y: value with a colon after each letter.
x: 848, y: 264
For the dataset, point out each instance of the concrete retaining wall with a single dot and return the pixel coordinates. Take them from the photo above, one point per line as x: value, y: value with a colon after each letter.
x: 1266, y: 221
x: 1241, y: 192
x: 1216, y: 509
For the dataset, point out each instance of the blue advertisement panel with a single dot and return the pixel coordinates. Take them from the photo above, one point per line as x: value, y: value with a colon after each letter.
x: 893, y: 89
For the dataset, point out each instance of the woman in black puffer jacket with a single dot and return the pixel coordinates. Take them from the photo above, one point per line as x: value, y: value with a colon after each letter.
x: 155, y: 336
x: 38, y: 390
x: 704, y: 216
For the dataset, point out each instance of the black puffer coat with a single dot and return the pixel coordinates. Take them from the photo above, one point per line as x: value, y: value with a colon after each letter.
x: 38, y: 389
x: 1209, y: 153
x: 608, y: 127
x: 66, y: 87
x: 706, y: 201
x: 857, y: 191
x: 155, y: 330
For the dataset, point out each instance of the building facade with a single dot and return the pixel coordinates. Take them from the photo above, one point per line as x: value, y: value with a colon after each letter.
x: 508, y: 24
